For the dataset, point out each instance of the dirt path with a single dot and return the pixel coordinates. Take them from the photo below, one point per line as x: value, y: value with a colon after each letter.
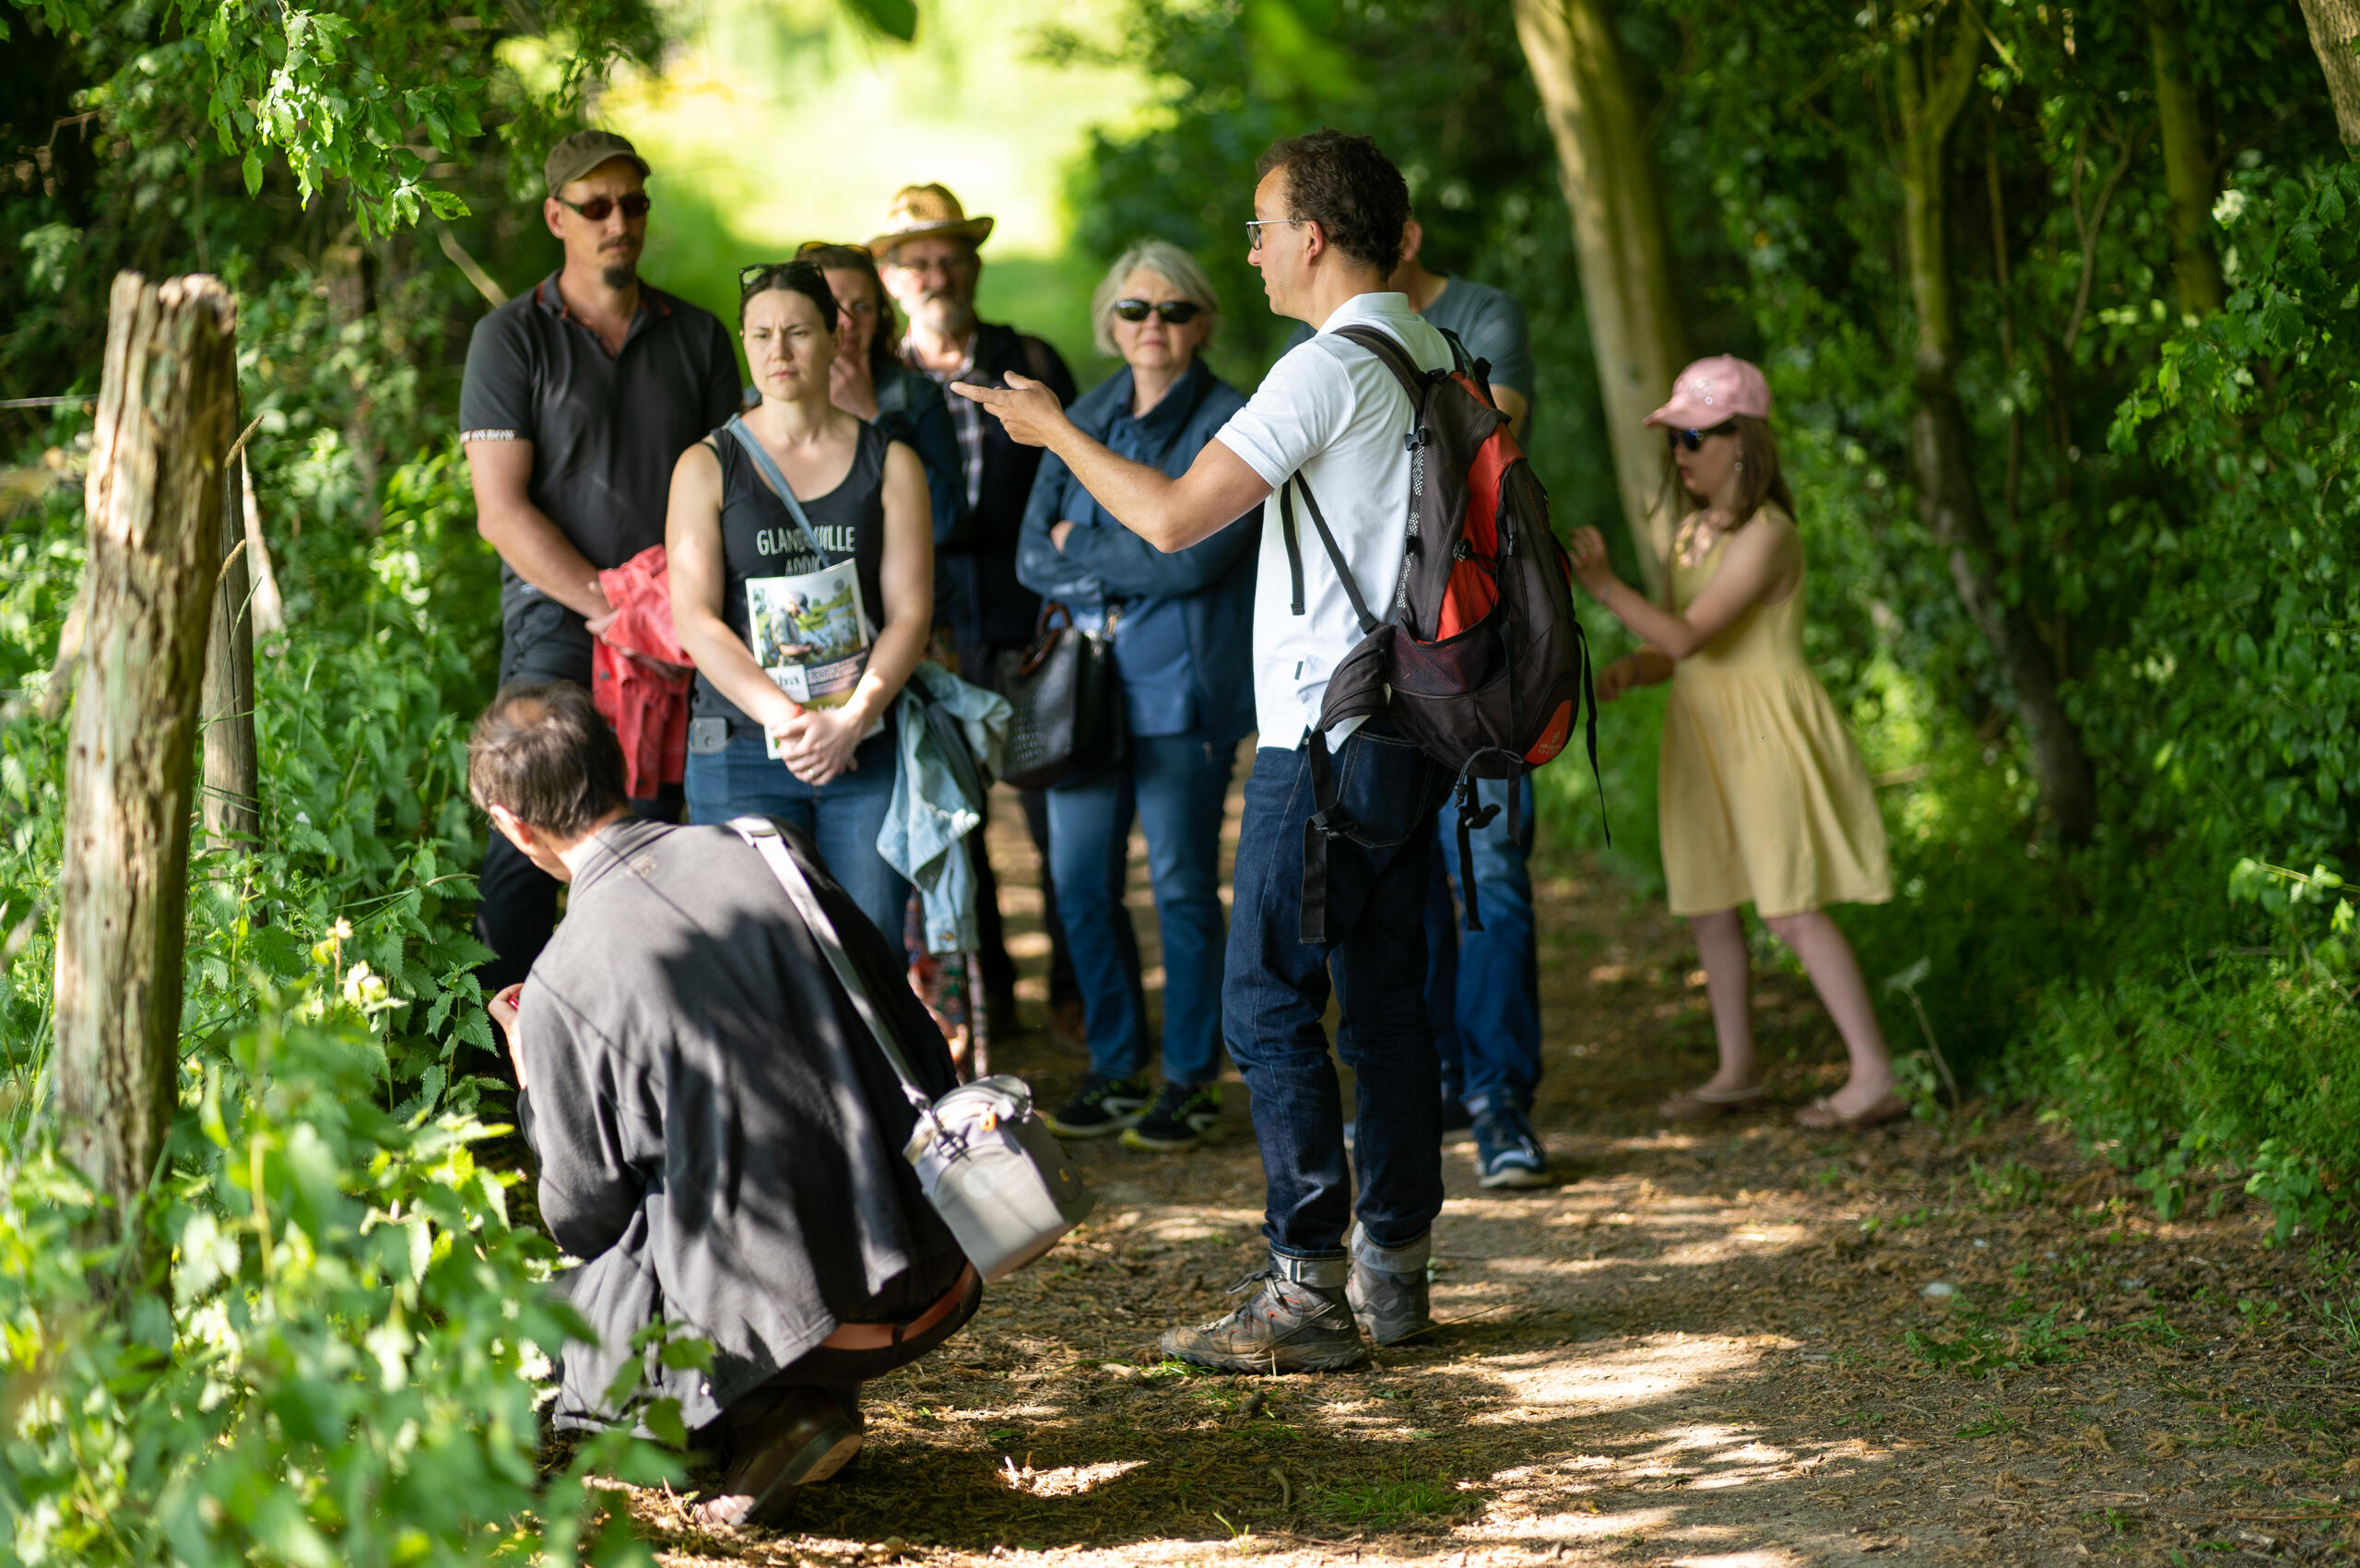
x: 1711, y: 1347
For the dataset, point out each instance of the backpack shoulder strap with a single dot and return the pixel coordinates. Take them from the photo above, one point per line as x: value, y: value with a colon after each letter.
x: 1335, y: 553
x: 1388, y: 350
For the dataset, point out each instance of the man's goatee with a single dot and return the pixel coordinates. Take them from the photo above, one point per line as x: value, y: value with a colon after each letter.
x: 621, y: 275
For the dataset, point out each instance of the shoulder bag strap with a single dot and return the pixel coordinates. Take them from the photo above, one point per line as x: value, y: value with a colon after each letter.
x: 763, y: 834
x: 737, y: 426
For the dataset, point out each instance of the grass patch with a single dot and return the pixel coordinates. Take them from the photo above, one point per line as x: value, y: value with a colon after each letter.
x: 2016, y: 1337
x: 1385, y: 1503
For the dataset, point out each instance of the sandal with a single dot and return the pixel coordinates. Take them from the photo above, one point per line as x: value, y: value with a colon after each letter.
x: 1821, y: 1114
x: 1705, y: 1105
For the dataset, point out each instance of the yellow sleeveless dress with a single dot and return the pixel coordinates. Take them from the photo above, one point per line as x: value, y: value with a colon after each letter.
x: 1762, y: 798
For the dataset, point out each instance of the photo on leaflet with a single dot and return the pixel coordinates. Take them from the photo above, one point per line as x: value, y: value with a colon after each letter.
x: 809, y: 635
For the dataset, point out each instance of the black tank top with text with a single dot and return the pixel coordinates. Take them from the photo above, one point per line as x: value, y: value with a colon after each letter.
x: 759, y: 539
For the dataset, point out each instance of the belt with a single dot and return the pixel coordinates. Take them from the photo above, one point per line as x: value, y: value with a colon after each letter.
x: 884, y: 1336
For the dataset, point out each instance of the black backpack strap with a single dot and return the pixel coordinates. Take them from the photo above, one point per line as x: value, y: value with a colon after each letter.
x: 1477, y: 371
x: 1327, y: 821
x: 1294, y: 545
x: 1388, y: 350
x: 1335, y: 554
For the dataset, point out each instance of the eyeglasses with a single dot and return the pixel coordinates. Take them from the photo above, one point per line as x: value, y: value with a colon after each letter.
x: 1254, y: 227
x: 1178, y: 313
x: 944, y: 265
x: 1692, y: 440
x: 599, y: 208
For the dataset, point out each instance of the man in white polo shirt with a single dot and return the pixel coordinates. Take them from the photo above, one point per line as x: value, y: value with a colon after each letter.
x: 1328, y: 210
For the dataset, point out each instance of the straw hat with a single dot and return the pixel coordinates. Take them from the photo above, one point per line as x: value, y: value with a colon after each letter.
x: 922, y: 212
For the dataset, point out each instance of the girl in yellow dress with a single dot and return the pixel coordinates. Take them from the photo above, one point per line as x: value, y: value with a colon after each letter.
x: 1762, y: 798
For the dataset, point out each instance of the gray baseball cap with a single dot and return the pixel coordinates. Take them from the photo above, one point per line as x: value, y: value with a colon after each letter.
x: 582, y: 152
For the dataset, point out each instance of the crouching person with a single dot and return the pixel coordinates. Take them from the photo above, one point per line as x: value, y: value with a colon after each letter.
x: 718, y: 1134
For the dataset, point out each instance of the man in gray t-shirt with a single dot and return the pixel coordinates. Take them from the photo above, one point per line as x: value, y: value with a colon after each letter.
x: 1483, y: 987
x: 1487, y: 320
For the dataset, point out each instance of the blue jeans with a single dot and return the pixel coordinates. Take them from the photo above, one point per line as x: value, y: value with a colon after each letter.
x: 1176, y: 785
x: 1483, y: 987
x: 841, y: 816
x: 1279, y: 987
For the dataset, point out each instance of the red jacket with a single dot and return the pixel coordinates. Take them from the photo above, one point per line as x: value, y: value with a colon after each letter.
x: 641, y: 675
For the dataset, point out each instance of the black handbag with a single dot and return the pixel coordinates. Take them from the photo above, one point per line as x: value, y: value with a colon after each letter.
x: 1068, y: 697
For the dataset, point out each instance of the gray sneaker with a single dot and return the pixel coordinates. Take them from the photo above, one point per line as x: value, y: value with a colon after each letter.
x: 1295, y: 1320
x: 1388, y: 1290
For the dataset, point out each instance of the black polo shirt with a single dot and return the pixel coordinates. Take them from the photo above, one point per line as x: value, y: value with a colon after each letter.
x: 606, y: 429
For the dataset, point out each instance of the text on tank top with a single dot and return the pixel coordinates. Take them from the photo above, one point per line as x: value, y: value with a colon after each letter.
x: 759, y: 539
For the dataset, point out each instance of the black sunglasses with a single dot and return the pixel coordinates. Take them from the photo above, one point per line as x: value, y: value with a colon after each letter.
x: 761, y: 272
x: 1178, y: 313
x: 596, y: 208
x: 1692, y: 440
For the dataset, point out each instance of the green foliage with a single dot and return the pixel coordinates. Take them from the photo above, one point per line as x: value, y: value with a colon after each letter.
x: 362, y: 97
x: 2239, y: 1066
x: 328, y: 1360
x: 320, y: 1347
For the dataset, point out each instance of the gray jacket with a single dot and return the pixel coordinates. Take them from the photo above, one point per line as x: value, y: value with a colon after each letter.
x: 719, y: 1138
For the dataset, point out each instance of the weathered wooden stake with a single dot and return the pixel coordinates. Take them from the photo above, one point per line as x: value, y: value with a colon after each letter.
x: 167, y: 406
x: 232, y: 779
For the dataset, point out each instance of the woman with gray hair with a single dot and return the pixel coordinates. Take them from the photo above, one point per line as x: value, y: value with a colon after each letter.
x: 1182, y: 627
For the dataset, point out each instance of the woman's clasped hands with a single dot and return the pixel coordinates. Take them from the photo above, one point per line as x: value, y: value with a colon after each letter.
x: 817, y: 744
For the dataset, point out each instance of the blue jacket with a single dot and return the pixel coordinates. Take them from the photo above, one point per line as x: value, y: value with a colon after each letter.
x: 1103, y: 561
x: 930, y: 812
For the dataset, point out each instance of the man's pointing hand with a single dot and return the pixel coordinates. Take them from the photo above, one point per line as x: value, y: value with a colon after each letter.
x: 1029, y: 409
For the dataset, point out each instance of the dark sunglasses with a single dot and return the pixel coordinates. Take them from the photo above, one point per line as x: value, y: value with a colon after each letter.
x: 596, y: 208
x: 1692, y: 440
x: 1177, y: 312
x: 761, y: 272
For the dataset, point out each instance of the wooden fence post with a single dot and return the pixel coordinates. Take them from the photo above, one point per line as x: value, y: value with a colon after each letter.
x: 167, y: 411
x: 232, y: 781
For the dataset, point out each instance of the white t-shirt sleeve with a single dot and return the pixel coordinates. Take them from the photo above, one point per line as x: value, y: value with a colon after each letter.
x: 1296, y: 413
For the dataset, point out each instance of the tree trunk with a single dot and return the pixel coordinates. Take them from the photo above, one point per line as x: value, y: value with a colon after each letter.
x: 2187, y: 162
x: 1610, y: 181
x: 232, y: 783
x: 167, y: 410
x: 2334, y: 25
x: 1930, y: 90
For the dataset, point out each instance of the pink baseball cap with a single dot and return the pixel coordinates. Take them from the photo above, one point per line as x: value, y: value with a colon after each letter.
x: 1709, y: 391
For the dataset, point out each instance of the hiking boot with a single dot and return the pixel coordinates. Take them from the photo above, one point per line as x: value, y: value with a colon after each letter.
x: 1184, y: 1116
x: 1506, y: 1154
x: 807, y: 1436
x: 1388, y: 1292
x: 1295, y: 1320
x: 1100, y: 1107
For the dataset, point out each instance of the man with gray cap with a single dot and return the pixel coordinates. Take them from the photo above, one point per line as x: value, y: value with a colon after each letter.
x: 580, y: 395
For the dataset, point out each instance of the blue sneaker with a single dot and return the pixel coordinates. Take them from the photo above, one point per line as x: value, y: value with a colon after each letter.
x: 1506, y: 1154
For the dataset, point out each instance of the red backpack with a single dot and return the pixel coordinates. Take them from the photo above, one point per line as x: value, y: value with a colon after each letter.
x: 1481, y: 663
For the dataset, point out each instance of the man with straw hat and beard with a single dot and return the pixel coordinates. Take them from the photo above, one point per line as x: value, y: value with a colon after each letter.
x: 929, y: 258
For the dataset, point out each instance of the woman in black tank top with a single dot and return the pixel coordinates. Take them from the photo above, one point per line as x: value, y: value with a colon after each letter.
x: 863, y: 501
